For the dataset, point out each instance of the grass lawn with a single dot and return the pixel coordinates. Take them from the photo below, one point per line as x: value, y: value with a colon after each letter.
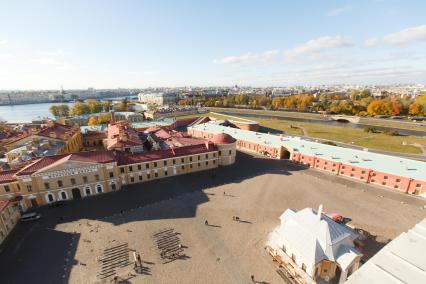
x: 378, y: 141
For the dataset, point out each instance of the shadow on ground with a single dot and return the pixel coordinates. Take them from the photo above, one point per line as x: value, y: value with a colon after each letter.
x: 36, y: 253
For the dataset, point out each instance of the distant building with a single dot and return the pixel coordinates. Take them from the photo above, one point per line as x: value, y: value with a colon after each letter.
x: 122, y: 137
x: 310, y: 244
x: 9, y: 216
x: 158, y: 98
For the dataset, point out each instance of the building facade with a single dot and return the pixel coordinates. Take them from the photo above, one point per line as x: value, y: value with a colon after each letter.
x: 9, y: 216
x: 405, y: 175
x: 74, y: 176
x: 158, y: 98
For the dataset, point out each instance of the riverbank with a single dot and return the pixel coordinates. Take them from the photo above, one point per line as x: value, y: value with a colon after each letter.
x: 351, y: 136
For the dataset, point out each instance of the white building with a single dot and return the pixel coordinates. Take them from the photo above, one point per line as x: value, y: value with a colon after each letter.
x: 158, y: 98
x: 403, y: 260
x: 312, y: 246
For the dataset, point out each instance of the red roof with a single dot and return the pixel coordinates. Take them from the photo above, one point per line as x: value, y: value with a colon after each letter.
x: 8, y: 176
x: 222, y: 138
x: 39, y: 164
x: 120, y: 135
x: 126, y: 158
x: 57, y: 128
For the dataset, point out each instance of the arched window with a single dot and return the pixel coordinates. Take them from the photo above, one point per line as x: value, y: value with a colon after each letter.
x: 63, y: 195
x: 99, y: 188
x: 113, y: 187
x: 87, y: 190
x: 50, y: 197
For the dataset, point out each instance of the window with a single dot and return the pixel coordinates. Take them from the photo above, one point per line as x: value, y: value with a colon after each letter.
x: 385, y: 177
x: 46, y: 185
x: 398, y: 180
x: 199, y: 164
x: 325, y: 163
x: 113, y: 186
x: 293, y: 257
x: 18, y: 186
x: 384, y: 183
x: 418, y: 185
x: 85, y: 179
x: 165, y: 163
x: 97, y: 177
x: 190, y: 159
x: 87, y: 191
x: 29, y: 188
x: 111, y: 174
x: 156, y: 174
x: 99, y: 188
x: 182, y: 167
x: 374, y: 174
x: 363, y: 172
x: 63, y: 195
x: 155, y: 164
x: 73, y: 181
x: 166, y: 173
x: 6, y: 188
x: 130, y: 168
x: 132, y: 179
x: 182, y: 160
x: 207, y: 163
x: 214, y: 162
x: 140, y: 177
x: 353, y: 169
x: 214, y: 155
x: 122, y: 170
x: 148, y: 176
x: 207, y: 156
x: 190, y: 165
x: 343, y: 167
x: 373, y: 180
x: 50, y: 197
x: 60, y: 184
x: 199, y: 157
x: 220, y: 153
x: 139, y: 167
x: 230, y: 152
x: 174, y: 161
x: 147, y: 165
x: 284, y: 249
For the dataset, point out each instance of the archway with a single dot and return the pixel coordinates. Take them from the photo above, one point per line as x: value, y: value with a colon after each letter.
x: 99, y: 188
x: 50, y: 198
x: 64, y: 195
x: 76, y: 194
x: 87, y: 191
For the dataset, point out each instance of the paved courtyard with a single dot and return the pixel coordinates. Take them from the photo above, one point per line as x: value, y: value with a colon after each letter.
x: 64, y: 246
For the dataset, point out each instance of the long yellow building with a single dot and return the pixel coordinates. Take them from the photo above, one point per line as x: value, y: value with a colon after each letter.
x: 77, y: 175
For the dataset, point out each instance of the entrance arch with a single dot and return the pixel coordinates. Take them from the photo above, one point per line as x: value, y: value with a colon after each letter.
x: 63, y: 195
x: 99, y: 188
x: 50, y: 198
x: 76, y: 194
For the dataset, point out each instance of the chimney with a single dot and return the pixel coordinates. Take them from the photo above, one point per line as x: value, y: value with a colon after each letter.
x: 319, y: 212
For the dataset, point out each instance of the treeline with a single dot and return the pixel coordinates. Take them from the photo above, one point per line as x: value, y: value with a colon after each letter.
x: 88, y: 107
x: 360, y: 103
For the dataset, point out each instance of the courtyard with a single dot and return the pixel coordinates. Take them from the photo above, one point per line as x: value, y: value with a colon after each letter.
x: 66, y: 244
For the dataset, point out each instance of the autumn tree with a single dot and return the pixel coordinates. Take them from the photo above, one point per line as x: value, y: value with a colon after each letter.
x: 95, y: 106
x: 79, y: 109
x: 93, y: 120
x: 415, y: 109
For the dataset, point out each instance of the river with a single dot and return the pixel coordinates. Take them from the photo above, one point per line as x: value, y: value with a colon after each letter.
x: 26, y: 113
x: 326, y: 122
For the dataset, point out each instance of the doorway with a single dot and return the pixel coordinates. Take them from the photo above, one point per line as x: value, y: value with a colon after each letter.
x: 76, y: 193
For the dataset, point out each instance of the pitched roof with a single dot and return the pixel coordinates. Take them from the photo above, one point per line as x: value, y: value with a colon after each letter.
x: 4, y: 204
x: 7, y: 176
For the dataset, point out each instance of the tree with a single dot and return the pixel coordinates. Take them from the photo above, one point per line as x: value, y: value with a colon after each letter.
x: 104, y: 118
x: 415, y: 109
x: 54, y: 110
x: 396, y: 108
x: 123, y: 105
x: 93, y: 120
x: 107, y: 106
x: 95, y: 106
x: 79, y: 109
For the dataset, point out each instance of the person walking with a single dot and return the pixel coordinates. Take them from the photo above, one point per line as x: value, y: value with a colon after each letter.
x: 252, y: 278
x: 206, y: 223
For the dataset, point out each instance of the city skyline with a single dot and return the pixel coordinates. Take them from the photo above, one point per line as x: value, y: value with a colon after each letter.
x: 133, y: 44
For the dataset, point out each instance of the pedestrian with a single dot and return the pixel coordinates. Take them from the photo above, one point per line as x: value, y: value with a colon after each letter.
x: 252, y: 278
x: 206, y: 223
x: 224, y: 193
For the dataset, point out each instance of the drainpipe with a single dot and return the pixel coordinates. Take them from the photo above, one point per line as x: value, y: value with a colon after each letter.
x: 408, y: 186
x: 370, y: 171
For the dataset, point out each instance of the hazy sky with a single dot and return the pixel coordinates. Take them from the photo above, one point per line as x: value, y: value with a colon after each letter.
x: 110, y: 44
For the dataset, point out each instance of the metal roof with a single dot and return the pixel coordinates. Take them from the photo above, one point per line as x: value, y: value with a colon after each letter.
x: 378, y: 162
x: 401, y: 261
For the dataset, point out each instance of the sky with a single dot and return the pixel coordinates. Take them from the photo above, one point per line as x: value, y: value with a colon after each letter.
x: 136, y: 44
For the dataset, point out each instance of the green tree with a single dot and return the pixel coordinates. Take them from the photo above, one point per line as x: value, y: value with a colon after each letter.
x: 95, y: 106
x: 79, y: 109
x: 54, y: 110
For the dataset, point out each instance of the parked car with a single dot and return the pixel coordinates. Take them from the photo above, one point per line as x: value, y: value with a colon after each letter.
x: 30, y: 217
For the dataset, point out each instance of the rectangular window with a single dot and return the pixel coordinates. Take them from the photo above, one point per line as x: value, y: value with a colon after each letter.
x: 182, y: 160
x: 165, y: 163
x: 199, y: 157
x: 353, y: 169
x: 148, y: 176
x: 303, y: 267
x: 293, y: 257
x: 85, y: 179
x: 73, y: 181
x: 18, y: 186
x: 207, y: 156
x: 60, y: 184
x: 155, y: 164
x: 165, y: 173
x: 418, y: 185
x: 174, y: 161
x: 97, y: 177
x: 207, y: 163
x: 199, y: 164
x: 130, y: 168
x: 111, y: 174
x: 182, y: 167
x: 6, y: 188
x: 147, y: 165
x: 220, y: 153
x: 385, y: 177
x: 214, y: 155
x: 139, y: 167
x: 230, y: 152
x: 190, y: 159
x: 29, y: 188
x: 122, y: 170
x: 140, y: 177
x: 190, y: 165
x: 156, y: 174
x: 214, y: 162
x: 398, y: 180
x: 132, y: 179
x: 343, y: 167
